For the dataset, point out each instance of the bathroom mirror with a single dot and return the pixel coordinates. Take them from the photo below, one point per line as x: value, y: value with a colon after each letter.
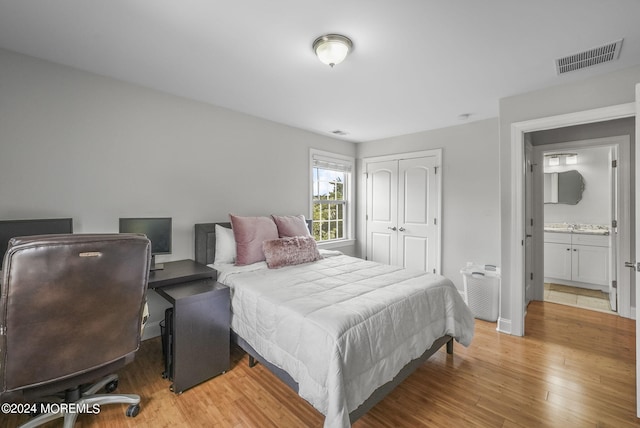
x: 563, y: 187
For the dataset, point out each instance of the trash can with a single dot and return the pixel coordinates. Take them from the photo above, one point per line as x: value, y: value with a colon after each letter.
x: 482, y: 290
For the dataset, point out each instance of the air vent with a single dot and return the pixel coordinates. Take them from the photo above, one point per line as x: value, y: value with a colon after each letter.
x: 595, y: 56
x: 339, y: 132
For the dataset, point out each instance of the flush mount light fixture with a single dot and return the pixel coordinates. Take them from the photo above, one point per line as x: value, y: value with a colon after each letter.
x: 332, y: 49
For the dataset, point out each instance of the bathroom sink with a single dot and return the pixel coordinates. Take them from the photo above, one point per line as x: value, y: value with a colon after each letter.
x: 591, y: 230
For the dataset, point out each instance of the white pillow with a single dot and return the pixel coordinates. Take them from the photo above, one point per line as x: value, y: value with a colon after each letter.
x: 225, y: 245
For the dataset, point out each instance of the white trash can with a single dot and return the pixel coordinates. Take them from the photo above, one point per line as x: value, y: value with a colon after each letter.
x: 482, y: 290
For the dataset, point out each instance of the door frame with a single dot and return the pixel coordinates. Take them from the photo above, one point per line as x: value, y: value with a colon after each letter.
x: 518, y: 130
x: 622, y: 144
x: 437, y: 154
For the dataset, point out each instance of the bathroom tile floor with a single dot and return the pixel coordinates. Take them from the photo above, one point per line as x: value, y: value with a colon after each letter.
x: 579, y: 297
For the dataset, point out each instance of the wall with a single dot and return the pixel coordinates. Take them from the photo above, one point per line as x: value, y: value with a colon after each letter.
x: 470, y: 212
x: 594, y: 207
x: 610, y: 128
x: 76, y: 144
x: 601, y: 91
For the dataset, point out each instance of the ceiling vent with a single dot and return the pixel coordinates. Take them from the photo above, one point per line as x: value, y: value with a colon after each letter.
x: 595, y: 56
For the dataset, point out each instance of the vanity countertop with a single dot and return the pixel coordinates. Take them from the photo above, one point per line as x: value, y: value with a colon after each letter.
x: 585, y: 229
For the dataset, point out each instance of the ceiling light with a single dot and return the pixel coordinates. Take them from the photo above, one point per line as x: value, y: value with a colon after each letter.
x: 556, y: 159
x: 332, y: 49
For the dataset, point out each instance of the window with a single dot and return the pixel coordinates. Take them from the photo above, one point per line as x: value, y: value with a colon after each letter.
x: 331, y: 192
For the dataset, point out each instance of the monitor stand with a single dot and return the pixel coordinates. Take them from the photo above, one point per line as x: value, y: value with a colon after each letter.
x: 154, y: 265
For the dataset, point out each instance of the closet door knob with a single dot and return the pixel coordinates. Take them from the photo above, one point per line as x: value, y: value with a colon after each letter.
x: 402, y: 229
x: 392, y: 228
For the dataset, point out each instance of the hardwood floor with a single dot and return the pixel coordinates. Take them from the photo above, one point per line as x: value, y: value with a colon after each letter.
x: 575, y: 368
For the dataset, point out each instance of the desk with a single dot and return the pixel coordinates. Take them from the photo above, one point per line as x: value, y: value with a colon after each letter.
x: 178, y: 272
x: 201, y: 322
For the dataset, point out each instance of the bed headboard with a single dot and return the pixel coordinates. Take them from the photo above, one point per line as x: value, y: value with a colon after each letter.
x: 205, y: 241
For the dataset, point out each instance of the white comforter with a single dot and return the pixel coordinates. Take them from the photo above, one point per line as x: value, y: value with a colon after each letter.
x: 342, y: 326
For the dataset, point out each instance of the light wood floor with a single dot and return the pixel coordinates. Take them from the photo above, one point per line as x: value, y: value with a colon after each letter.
x: 575, y: 368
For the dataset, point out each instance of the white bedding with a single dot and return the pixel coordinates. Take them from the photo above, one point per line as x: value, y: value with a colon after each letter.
x: 342, y: 326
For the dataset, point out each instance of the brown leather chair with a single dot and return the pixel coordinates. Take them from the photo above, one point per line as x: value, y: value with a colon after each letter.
x: 71, y: 312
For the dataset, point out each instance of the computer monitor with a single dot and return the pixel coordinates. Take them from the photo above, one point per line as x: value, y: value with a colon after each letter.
x: 13, y: 228
x: 157, y: 229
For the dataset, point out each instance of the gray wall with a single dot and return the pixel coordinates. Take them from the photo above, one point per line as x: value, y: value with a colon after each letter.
x: 76, y: 144
x: 601, y: 91
x: 470, y: 212
x: 594, y: 206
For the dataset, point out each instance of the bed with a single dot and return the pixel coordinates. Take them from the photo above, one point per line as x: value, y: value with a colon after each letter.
x: 308, y: 324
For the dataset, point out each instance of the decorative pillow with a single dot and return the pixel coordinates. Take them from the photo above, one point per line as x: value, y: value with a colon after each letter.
x: 291, y: 225
x: 289, y: 251
x: 249, y: 233
x: 225, y: 245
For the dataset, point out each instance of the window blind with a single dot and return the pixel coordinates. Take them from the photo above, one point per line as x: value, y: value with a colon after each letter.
x: 331, y: 163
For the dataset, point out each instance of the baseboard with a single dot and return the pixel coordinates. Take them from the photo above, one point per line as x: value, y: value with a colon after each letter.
x: 504, y: 326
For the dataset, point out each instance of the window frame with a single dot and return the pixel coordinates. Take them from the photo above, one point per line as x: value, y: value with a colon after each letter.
x: 349, y: 199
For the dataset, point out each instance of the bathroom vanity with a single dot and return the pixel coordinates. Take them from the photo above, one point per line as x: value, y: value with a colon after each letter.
x: 577, y: 255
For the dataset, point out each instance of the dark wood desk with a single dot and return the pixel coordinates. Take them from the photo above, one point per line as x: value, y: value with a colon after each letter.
x: 178, y: 272
x: 201, y: 322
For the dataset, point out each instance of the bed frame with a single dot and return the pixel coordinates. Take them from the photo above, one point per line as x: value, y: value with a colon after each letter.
x: 205, y: 244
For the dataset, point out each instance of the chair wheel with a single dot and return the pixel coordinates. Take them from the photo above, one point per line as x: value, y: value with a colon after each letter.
x: 111, y: 386
x: 133, y: 410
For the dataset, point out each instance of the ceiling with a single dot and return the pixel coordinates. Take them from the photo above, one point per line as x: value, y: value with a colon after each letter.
x: 416, y: 64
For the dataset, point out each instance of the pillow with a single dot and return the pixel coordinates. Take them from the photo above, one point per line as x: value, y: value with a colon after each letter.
x: 289, y: 251
x: 225, y: 245
x: 249, y: 233
x: 291, y: 225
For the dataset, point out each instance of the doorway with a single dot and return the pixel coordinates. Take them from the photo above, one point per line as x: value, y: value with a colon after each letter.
x: 516, y: 267
x: 587, y: 231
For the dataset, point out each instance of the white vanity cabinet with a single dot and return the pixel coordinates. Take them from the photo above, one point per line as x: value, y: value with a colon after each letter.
x: 557, y: 256
x: 571, y: 258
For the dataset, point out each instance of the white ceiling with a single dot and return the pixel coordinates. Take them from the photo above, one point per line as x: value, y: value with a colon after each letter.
x: 416, y: 64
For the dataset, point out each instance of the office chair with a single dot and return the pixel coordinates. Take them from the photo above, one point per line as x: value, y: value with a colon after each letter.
x: 71, y: 310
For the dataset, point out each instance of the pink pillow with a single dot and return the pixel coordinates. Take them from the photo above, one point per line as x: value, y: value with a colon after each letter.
x: 289, y: 251
x: 291, y: 225
x: 249, y: 233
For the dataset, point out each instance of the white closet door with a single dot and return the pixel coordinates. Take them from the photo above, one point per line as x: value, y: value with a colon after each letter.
x: 402, y: 212
x: 382, y: 212
x: 417, y: 213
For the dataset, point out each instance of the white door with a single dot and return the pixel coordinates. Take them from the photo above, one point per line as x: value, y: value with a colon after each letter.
x: 528, y: 227
x: 417, y: 213
x: 382, y: 212
x: 613, y: 244
x: 402, y: 217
